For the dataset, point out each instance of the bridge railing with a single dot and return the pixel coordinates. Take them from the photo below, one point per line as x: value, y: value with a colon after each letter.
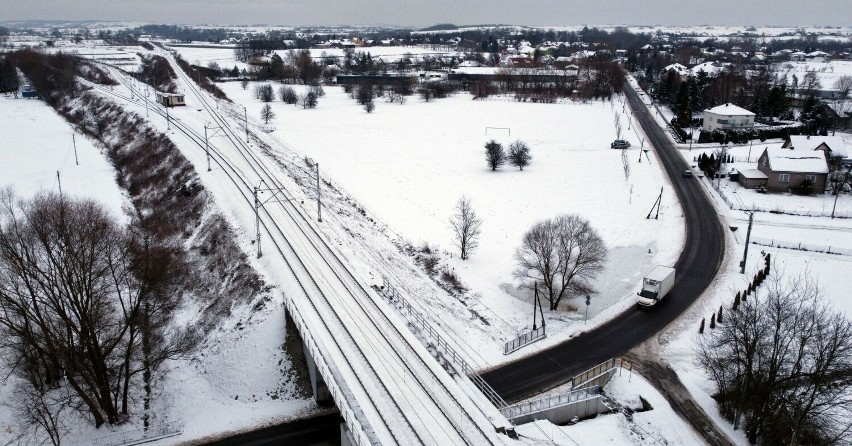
x: 356, y: 429
x: 524, y: 340
x: 449, y: 352
x: 549, y: 402
x: 592, y: 373
x: 137, y: 436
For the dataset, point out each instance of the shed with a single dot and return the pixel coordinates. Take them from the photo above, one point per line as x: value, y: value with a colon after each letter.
x: 170, y: 99
x: 752, y: 178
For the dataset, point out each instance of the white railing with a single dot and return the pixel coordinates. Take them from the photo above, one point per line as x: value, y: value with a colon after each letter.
x: 138, y: 436
x: 550, y: 402
x: 592, y: 373
x: 524, y: 340
x: 448, y: 351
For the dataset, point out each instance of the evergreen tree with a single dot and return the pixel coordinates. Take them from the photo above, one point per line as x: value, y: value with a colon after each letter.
x: 713, y: 321
x: 701, y: 328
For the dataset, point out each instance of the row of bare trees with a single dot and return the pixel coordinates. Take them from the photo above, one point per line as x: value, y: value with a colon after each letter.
x: 86, y: 309
x: 782, y: 361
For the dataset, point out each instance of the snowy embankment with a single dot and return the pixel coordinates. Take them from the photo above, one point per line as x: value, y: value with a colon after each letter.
x: 213, y: 387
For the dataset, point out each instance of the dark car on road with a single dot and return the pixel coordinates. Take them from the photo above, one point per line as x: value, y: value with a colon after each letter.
x: 620, y: 144
x: 687, y: 173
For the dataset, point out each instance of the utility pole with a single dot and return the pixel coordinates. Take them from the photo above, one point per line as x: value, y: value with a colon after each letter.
x: 257, y: 204
x: 245, y: 115
x: 77, y: 161
x: 59, y: 182
x: 535, y: 302
x: 206, y: 139
x: 319, y: 196
x: 659, y: 203
x: 748, y: 237
x: 257, y: 222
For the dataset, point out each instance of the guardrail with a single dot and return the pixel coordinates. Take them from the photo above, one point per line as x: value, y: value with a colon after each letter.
x: 541, y: 404
x: 138, y: 436
x: 524, y: 340
x: 592, y: 373
x: 441, y: 343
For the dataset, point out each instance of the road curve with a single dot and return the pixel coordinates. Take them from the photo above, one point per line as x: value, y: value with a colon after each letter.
x: 696, y: 267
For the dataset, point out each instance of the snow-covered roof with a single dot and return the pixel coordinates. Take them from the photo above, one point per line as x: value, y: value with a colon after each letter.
x: 801, y: 161
x: 836, y: 144
x: 753, y: 174
x: 469, y: 63
x: 711, y: 68
x: 678, y: 68
x: 730, y: 110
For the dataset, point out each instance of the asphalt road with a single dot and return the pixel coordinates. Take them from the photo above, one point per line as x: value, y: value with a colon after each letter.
x: 320, y: 430
x: 696, y: 267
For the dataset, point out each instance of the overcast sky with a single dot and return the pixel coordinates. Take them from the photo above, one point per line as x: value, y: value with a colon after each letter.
x: 429, y: 12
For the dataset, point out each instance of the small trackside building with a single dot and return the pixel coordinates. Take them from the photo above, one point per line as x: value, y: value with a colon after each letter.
x: 786, y: 169
x: 727, y: 117
x: 170, y: 99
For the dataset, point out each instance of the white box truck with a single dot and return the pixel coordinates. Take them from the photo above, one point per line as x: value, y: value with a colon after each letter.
x: 655, y: 286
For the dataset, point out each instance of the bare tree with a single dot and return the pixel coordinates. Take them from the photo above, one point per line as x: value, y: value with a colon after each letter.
x: 288, y: 95
x: 369, y: 107
x: 41, y: 413
x: 79, y: 306
x: 519, y: 154
x: 264, y: 93
x: 466, y: 227
x: 494, y: 154
x: 308, y: 100
x: 266, y: 113
x: 563, y: 254
x: 843, y: 84
x: 783, y: 361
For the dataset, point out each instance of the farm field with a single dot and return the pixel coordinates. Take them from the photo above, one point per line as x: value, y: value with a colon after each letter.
x: 409, y: 164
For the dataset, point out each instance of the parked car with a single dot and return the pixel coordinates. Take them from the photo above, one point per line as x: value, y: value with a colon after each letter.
x: 620, y: 144
x: 687, y: 173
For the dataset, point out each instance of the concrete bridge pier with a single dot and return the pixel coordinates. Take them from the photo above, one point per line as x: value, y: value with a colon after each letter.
x: 321, y: 393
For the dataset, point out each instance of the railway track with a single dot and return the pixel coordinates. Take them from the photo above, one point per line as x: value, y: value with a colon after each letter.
x: 389, y: 381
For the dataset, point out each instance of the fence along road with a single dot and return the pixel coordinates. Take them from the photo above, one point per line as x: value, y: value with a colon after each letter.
x: 704, y: 248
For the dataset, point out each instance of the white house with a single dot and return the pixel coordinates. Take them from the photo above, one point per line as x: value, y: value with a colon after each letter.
x: 727, y: 117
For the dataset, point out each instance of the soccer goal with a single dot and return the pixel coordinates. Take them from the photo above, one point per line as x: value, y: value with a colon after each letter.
x: 498, y: 131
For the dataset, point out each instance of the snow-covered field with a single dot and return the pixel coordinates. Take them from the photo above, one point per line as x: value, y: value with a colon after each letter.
x: 409, y: 164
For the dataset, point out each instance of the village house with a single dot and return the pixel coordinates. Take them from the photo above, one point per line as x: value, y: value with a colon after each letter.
x: 727, y: 117
x: 786, y: 169
x: 834, y: 148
